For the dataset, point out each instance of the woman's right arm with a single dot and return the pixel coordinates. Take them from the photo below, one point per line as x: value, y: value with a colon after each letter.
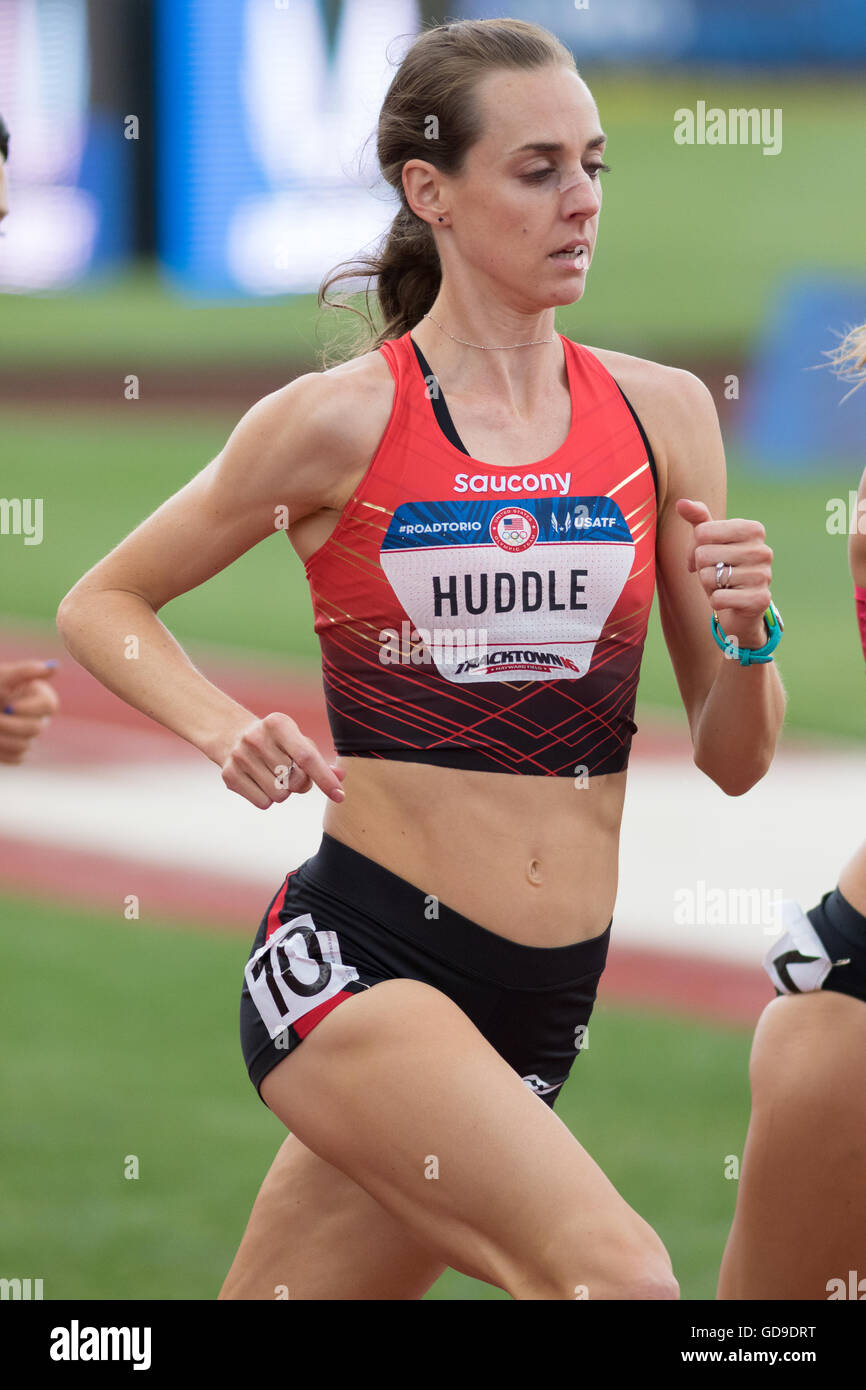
x: 286, y: 458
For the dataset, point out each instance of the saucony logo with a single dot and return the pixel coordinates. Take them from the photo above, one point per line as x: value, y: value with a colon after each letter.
x: 557, y: 483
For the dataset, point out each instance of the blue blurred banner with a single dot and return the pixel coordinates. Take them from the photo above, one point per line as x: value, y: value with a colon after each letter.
x: 794, y: 413
x: 265, y: 178
x: 744, y: 33
x: 69, y: 173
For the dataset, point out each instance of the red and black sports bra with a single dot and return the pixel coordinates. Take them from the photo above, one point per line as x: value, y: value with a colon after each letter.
x: 488, y: 617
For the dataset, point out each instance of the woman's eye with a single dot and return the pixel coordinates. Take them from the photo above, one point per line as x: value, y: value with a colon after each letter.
x: 592, y: 169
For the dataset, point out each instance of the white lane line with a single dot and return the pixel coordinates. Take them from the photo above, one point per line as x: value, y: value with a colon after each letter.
x: 177, y: 815
x: 787, y: 838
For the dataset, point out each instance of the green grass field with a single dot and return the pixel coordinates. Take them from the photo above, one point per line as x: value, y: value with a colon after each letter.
x: 100, y: 476
x: 693, y: 241
x: 121, y: 1038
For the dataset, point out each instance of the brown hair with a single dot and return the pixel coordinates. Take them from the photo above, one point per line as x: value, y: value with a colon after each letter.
x: 849, y: 358
x: 437, y: 79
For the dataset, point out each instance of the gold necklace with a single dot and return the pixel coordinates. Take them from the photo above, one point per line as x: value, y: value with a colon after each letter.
x: 490, y: 347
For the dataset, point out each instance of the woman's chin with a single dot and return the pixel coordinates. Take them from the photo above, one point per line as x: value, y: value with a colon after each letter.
x: 572, y: 295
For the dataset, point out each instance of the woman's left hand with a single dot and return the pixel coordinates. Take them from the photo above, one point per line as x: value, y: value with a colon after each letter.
x: 743, y: 600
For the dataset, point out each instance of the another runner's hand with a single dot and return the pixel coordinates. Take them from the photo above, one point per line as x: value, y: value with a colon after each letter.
x: 30, y: 701
x: 258, y: 763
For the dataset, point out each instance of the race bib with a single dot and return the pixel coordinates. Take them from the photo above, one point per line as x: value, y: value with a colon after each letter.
x: 297, y: 968
x: 509, y: 591
x: 797, y: 961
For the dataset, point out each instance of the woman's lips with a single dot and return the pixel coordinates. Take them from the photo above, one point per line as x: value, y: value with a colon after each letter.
x: 579, y: 257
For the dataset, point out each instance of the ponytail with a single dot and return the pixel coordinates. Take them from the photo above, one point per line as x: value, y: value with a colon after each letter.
x: 848, y: 360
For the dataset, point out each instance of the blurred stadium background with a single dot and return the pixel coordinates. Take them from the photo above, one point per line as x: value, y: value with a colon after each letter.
x: 181, y: 174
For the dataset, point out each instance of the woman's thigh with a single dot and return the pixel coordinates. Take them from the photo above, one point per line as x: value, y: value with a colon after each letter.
x: 398, y: 1090
x: 313, y: 1233
x: 800, y: 1219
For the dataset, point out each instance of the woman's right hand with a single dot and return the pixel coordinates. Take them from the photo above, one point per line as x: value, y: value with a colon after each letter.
x: 270, y: 758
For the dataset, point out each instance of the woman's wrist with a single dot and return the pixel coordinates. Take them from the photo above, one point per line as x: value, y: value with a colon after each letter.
x: 218, y: 739
x: 746, y: 632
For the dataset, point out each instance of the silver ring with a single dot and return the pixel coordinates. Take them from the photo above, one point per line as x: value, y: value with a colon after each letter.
x: 720, y: 565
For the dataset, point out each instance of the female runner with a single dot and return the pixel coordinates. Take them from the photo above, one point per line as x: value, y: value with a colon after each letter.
x: 799, y: 1228
x: 419, y: 988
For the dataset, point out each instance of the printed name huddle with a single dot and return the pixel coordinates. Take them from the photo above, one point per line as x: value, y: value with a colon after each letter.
x: 505, y: 594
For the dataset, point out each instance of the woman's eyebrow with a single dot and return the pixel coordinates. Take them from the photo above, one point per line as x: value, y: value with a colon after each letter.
x: 556, y: 146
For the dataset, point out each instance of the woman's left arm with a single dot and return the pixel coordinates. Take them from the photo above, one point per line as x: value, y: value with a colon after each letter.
x: 735, y: 712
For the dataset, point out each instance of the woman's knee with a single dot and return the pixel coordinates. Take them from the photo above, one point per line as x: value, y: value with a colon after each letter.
x: 797, y: 1044
x: 623, y: 1263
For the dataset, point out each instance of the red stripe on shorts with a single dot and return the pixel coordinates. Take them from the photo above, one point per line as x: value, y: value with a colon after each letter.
x: 305, y: 1025
x: 274, y: 914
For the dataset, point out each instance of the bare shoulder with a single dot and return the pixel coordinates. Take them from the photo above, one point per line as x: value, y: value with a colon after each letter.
x: 673, y: 405
x: 338, y: 417
x: 648, y: 380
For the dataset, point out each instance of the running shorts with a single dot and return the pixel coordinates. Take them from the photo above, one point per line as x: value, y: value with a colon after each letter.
x: 341, y: 923
x: 824, y: 948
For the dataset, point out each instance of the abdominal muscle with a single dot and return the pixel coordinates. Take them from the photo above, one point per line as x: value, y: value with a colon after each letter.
x: 532, y: 858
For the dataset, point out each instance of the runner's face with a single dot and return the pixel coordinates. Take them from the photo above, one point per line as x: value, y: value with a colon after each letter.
x: 512, y: 206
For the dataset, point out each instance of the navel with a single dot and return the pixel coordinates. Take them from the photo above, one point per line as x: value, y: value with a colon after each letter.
x: 533, y: 872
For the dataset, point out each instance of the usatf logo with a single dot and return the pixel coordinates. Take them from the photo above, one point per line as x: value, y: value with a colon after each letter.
x: 513, y: 529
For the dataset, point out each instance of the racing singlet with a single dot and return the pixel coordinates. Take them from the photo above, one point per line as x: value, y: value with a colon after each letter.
x: 487, y: 617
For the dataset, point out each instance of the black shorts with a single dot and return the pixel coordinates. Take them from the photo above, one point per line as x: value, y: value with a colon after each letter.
x: 842, y: 930
x: 341, y: 923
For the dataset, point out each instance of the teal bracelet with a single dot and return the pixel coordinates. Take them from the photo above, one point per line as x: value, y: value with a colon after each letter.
x: 748, y: 656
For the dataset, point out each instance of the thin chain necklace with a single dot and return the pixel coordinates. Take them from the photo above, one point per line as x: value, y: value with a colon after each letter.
x: 490, y: 347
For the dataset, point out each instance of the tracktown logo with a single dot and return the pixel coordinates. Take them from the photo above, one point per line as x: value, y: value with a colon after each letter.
x: 509, y: 658
x: 76, y: 1343
x: 558, y: 483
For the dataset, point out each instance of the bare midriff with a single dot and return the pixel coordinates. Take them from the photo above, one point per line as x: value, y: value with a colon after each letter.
x: 532, y: 858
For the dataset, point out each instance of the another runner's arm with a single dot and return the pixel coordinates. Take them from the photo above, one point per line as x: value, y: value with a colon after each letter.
x: 857, y: 538
x: 857, y: 559
x: 289, y: 451
x: 734, y: 712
